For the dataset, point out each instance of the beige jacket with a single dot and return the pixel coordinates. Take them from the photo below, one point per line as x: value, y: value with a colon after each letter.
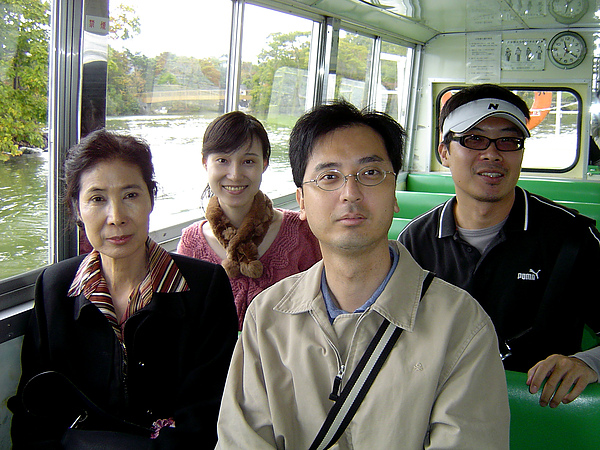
x: 442, y: 386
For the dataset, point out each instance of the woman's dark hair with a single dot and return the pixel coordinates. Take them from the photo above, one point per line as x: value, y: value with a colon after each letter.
x: 100, y: 146
x: 231, y: 131
x: 341, y: 114
x: 477, y: 92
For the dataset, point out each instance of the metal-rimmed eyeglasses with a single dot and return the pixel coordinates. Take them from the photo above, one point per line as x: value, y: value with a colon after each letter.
x: 333, y: 179
x: 503, y: 144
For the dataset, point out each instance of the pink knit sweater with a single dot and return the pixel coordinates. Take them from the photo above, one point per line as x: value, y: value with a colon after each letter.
x: 294, y: 249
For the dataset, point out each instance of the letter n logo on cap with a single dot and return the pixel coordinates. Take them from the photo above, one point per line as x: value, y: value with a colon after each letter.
x: 494, y: 106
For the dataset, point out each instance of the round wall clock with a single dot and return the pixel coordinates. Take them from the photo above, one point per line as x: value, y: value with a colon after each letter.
x: 567, y: 50
x: 568, y: 11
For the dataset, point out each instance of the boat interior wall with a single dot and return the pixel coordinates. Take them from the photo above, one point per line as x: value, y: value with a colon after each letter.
x: 448, y: 32
x: 454, y: 16
x: 359, y: 12
x: 447, y: 56
x: 421, y: 20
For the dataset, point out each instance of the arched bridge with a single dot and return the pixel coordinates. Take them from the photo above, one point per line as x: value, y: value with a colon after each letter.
x: 150, y: 98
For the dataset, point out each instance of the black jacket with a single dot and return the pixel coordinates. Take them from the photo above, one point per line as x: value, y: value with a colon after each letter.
x: 178, y: 352
x: 512, y: 276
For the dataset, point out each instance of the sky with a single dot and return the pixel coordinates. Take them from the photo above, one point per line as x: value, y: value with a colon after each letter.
x: 201, y: 28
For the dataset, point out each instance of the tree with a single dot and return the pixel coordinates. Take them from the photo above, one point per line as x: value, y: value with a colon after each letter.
x: 124, y: 24
x: 291, y: 50
x: 353, y: 57
x: 125, y: 82
x: 389, y: 69
x: 211, y: 68
x: 23, y: 75
x: 283, y: 50
x: 125, y: 70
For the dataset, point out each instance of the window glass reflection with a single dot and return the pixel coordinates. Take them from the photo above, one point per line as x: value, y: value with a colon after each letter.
x: 275, y: 54
x: 394, y: 81
x: 353, y: 66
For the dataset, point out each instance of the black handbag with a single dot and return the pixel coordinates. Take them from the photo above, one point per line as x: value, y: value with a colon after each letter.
x: 77, y: 439
x: 51, y: 393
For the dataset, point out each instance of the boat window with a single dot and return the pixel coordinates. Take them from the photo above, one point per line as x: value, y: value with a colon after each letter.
x: 167, y: 77
x: 167, y: 70
x: 555, y: 127
x: 23, y: 137
x: 274, y: 83
x: 392, y: 87
x: 353, y: 68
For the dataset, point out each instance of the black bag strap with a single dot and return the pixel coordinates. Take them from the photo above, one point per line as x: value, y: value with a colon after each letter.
x: 360, y: 381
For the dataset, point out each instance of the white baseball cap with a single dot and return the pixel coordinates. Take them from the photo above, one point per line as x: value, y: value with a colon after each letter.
x: 470, y: 114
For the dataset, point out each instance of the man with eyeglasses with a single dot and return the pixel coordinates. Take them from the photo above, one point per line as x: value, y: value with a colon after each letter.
x: 531, y: 263
x: 304, y: 338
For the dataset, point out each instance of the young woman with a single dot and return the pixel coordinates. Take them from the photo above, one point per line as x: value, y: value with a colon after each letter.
x: 128, y: 343
x: 257, y: 244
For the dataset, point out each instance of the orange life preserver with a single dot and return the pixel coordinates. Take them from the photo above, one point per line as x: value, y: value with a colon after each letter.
x: 542, y: 102
x: 445, y: 98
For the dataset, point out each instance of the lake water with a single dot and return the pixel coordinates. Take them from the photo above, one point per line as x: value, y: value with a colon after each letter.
x: 23, y: 214
x: 176, y: 143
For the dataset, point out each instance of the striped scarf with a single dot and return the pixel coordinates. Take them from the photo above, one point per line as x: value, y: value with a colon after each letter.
x: 163, y: 275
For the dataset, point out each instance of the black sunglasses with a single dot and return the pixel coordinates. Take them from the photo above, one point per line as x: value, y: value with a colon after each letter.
x: 503, y: 144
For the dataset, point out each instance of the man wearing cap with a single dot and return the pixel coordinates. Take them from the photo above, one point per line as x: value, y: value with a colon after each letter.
x: 530, y: 262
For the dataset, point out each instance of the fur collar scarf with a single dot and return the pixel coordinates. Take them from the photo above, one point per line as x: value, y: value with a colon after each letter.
x: 241, y: 244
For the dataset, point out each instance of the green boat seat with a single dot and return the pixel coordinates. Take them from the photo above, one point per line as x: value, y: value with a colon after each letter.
x: 572, y: 426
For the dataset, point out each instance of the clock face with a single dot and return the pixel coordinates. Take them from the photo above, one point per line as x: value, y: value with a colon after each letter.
x: 567, y: 50
x: 568, y: 11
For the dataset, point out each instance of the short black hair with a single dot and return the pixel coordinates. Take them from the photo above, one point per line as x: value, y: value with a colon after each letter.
x: 100, y: 146
x: 329, y: 117
x: 476, y: 92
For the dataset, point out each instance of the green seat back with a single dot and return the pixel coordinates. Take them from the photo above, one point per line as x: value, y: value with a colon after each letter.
x: 430, y: 182
x: 563, y: 190
x: 398, y: 225
x: 557, y: 190
x: 589, y: 339
x: 572, y: 426
x: 587, y: 209
x: 412, y: 204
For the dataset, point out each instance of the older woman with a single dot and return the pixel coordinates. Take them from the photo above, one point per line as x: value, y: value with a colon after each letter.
x: 257, y: 244
x: 137, y: 340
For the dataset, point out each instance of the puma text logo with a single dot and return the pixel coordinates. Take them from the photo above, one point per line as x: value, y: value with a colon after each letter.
x: 531, y: 275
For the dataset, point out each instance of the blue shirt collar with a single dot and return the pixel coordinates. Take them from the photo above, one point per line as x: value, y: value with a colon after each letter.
x: 333, y: 311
